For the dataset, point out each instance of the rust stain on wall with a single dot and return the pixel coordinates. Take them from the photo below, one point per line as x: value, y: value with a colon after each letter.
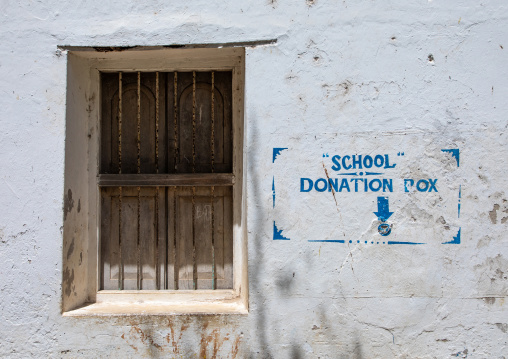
x: 213, y: 337
x: 234, y: 351
x: 146, y: 338
x: 171, y: 337
x: 132, y: 346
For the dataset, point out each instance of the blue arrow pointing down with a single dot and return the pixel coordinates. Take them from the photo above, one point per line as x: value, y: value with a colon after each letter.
x: 383, y: 211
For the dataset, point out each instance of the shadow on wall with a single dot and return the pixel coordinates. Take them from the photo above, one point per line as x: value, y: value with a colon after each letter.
x: 261, y: 338
x: 357, y: 350
x: 256, y: 291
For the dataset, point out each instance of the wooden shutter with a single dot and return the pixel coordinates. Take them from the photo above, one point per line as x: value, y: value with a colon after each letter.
x: 166, y: 182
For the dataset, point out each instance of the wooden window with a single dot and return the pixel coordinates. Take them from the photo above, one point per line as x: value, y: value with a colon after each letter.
x: 166, y: 180
x: 154, y: 157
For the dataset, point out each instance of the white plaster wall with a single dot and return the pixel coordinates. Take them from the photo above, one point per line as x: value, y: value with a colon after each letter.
x: 339, y: 69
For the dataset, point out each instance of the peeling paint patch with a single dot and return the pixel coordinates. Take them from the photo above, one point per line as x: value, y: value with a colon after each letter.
x: 456, y: 239
x: 493, y: 214
x: 502, y: 327
x: 493, y: 276
x: 276, y: 152
x: 455, y: 153
x: 277, y: 233
x: 273, y: 190
x: 461, y: 354
x: 489, y: 300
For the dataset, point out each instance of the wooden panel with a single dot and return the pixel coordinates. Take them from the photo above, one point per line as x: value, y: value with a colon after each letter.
x: 148, y: 133
x: 203, y: 129
x: 239, y: 209
x: 171, y: 277
x: 160, y: 246
x: 153, y: 180
x: 202, y: 126
x: 225, y: 254
x: 129, y: 239
x: 172, y: 121
x: 170, y: 148
x: 147, y: 242
x: 110, y: 249
x: 109, y: 243
x: 109, y: 85
x: 203, y: 238
x: 202, y: 229
x: 184, y: 244
x: 163, y: 238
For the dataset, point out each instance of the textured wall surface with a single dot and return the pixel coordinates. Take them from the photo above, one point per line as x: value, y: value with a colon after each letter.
x: 343, y: 77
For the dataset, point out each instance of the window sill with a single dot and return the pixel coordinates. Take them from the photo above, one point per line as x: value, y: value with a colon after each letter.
x: 134, y: 303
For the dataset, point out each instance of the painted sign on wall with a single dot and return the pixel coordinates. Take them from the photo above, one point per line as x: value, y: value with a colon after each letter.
x: 402, y: 189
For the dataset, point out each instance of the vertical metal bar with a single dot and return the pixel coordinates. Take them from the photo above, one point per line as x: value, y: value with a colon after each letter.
x: 120, y: 262
x: 175, y: 254
x: 194, y: 264
x: 165, y: 284
x: 175, y: 120
x: 138, y: 142
x: 193, y: 121
x: 166, y: 189
x: 212, y: 145
x: 166, y: 237
x: 175, y: 123
x: 157, y: 269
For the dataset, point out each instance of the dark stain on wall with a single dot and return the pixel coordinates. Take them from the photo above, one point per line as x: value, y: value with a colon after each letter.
x: 502, y: 327
x: 493, y: 214
x: 489, y: 300
x: 71, y: 249
x: 68, y: 203
x: 68, y: 281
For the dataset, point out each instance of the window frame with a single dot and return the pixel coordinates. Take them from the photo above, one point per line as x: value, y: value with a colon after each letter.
x: 88, y: 299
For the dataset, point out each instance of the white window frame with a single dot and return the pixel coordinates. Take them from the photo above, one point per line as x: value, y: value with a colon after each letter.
x: 80, y: 289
